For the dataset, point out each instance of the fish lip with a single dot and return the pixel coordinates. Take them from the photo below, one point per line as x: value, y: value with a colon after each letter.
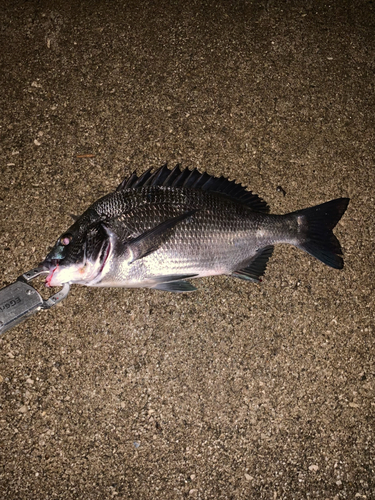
x: 51, y: 266
x: 50, y: 276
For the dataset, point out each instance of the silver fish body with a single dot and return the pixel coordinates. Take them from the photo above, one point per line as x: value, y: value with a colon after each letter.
x: 159, y: 229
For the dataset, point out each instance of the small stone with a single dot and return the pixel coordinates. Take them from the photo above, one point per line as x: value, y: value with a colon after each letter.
x: 1, y: 379
x: 248, y: 477
x: 37, y: 143
x: 23, y: 409
x: 339, y: 483
x: 10, y: 355
x: 29, y: 381
x: 353, y: 405
x: 314, y: 468
x: 192, y: 477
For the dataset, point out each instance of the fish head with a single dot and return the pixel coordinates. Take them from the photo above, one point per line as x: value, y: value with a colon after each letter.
x: 80, y: 253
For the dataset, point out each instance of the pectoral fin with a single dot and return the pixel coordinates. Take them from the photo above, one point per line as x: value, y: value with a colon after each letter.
x: 151, y: 240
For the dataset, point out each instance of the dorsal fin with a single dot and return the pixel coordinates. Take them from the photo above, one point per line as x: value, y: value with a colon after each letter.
x: 193, y: 179
x: 127, y: 183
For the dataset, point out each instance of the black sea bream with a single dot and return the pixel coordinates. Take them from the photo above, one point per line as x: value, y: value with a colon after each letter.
x: 161, y: 228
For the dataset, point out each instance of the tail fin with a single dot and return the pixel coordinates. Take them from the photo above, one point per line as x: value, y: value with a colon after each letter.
x: 319, y: 240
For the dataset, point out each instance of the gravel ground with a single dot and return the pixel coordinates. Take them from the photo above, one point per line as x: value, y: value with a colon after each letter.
x: 236, y: 391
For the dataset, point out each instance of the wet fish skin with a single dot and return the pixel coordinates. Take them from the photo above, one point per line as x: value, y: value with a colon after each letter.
x: 161, y: 228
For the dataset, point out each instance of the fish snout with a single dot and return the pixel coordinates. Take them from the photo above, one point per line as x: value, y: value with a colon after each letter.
x: 48, y: 264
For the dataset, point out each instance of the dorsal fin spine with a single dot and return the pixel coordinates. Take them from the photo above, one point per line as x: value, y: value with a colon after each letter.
x: 180, y: 180
x: 172, y: 176
x: 160, y: 175
x: 126, y: 183
x: 143, y: 178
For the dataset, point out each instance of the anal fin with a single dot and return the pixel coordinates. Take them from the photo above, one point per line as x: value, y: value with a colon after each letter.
x: 256, y: 267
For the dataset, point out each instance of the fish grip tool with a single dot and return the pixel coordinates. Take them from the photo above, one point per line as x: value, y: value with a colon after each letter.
x: 19, y: 300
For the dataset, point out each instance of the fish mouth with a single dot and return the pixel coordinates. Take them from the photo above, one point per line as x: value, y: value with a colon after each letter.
x: 50, y: 276
x: 50, y: 265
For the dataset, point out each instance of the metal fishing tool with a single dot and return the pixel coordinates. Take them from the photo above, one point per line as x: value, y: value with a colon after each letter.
x: 20, y: 300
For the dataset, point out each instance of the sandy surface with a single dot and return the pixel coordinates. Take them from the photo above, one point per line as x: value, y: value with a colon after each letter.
x: 236, y: 391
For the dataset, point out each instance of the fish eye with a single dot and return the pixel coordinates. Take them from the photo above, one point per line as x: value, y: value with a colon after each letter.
x: 65, y: 239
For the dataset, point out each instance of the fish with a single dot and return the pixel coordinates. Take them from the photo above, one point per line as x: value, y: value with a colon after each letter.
x: 164, y: 227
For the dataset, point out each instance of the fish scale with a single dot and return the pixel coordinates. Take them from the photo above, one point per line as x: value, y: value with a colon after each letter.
x: 215, y: 244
